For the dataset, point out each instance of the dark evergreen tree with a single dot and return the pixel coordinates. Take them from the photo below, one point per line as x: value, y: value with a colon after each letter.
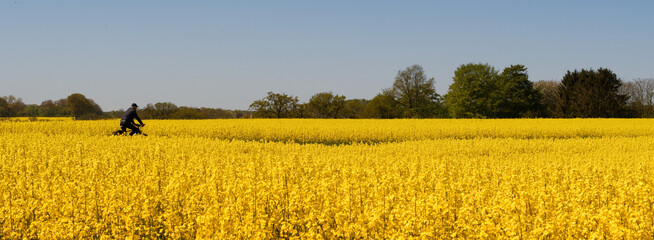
x: 515, y: 96
x: 591, y: 94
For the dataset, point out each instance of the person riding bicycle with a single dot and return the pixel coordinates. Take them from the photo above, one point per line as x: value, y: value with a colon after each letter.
x: 128, y: 120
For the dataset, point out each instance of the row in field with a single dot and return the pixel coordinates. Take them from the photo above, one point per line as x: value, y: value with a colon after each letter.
x: 350, y: 131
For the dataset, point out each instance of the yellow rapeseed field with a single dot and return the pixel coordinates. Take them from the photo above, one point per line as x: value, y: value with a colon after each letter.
x: 325, y: 179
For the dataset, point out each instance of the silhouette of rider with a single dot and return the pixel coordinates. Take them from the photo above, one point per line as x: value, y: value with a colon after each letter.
x: 128, y: 120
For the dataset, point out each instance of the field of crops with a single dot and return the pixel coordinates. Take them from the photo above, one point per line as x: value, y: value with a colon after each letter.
x: 257, y: 179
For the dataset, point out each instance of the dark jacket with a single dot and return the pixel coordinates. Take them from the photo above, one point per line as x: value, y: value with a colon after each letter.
x: 129, y: 117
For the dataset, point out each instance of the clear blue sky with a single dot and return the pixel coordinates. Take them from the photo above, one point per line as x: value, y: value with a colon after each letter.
x: 229, y: 53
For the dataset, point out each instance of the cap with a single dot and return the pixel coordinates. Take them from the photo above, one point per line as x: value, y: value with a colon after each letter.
x: 134, y: 105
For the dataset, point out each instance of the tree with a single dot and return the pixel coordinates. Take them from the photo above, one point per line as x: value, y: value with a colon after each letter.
x: 31, y: 110
x: 14, y: 105
x: 119, y: 113
x: 299, y: 110
x: 149, y: 112
x: 4, y: 108
x: 275, y: 105
x: 590, y: 94
x: 383, y: 105
x: 240, y: 114
x: 188, y: 113
x: 81, y: 107
x: 641, y: 96
x: 415, y: 93
x: 160, y: 110
x: 49, y: 108
x: 168, y: 110
x: 326, y: 105
x: 646, y: 87
x: 515, y: 96
x: 214, y: 113
x: 470, y: 95
x: 354, y: 108
x: 548, y: 90
x: 165, y: 109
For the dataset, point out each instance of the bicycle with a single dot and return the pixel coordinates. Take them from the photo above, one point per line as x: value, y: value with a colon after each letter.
x: 138, y: 131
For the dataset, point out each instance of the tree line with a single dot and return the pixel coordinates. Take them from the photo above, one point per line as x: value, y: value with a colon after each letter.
x: 479, y: 91
x: 75, y: 105
x: 80, y: 107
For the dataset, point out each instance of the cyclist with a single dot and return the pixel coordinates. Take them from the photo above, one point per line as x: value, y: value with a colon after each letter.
x: 128, y: 120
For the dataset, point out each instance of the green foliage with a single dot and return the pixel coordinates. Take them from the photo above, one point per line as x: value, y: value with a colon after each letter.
x: 591, y: 94
x: 326, y: 105
x: 515, y: 96
x: 165, y: 109
x: 470, y: 95
x: 214, y: 113
x: 276, y: 105
x: 479, y: 91
x: 51, y: 108
x: 382, y: 106
x: 11, y: 106
x: 119, y: 114
x: 354, y: 108
x: 4, y: 108
x: 415, y: 94
x: 168, y: 110
x: 31, y: 110
x: 148, y: 112
x: 160, y: 110
x: 82, y: 108
x: 188, y: 113
x: 299, y: 110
